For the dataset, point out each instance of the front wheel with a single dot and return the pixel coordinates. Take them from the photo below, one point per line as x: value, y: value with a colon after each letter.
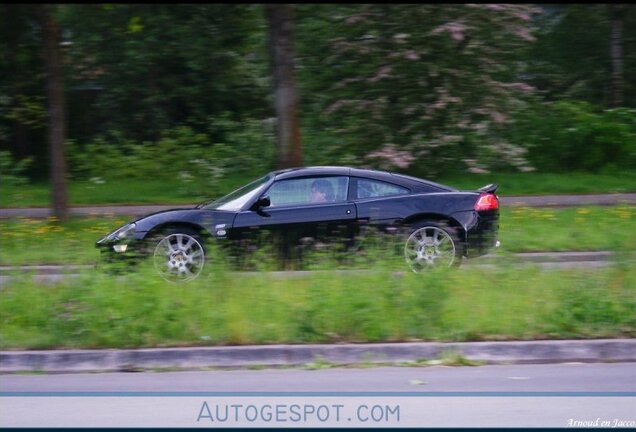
x: 431, y: 245
x: 179, y: 255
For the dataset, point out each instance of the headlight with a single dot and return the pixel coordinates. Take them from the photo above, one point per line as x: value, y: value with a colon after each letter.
x: 123, y: 232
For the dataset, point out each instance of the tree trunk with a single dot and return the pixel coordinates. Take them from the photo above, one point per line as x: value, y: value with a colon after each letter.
x: 55, y: 95
x: 616, y: 50
x: 281, y: 46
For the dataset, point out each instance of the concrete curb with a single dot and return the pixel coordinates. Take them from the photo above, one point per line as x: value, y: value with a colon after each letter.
x: 519, y: 352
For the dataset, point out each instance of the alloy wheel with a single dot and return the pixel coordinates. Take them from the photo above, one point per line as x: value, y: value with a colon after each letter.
x: 429, y: 247
x: 179, y: 258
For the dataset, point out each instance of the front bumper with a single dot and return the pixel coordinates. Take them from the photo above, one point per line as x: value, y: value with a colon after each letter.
x: 121, y: 250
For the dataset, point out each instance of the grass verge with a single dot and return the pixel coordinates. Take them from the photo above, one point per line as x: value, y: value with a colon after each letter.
x: 548, y: 183
x: 30, y: 241
x: 96, y: 310
x: 149, y: 191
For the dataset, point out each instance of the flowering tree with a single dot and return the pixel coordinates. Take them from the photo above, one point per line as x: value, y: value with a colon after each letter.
x: 423, y: 85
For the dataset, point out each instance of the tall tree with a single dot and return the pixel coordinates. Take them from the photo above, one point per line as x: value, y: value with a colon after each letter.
x: 616, y: 50
x: 281, y: 45
x: 586, y: 52
x: 55, y: 95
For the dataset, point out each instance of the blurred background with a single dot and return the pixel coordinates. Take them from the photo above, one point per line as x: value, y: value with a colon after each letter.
x: 174, y: 104
x: 95, y: 98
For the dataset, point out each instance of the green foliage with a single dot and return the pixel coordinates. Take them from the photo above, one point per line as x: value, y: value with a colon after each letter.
x: 421, y: 85
x: 250, y: 148
x: 180, y: 155
x: 453, y: 358
x: 571, y: 59
x: 577, y: 136
x: 28, y: 111
x: 11, y: 172
x: 162, y: 65
x: 588, y: 306
x: 186, y: 160
x: 428, y: 89
x: 23, y: 113
x: 96, y: 310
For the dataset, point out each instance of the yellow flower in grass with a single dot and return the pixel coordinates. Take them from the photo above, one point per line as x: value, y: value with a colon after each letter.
x: 624, y: 212
x: 548, y: 214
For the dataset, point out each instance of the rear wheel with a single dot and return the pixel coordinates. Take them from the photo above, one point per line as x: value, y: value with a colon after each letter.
x: 178, y: 254
x: 432, y: 245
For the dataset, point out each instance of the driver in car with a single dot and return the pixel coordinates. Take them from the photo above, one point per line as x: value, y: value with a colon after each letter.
x: 321, y: 191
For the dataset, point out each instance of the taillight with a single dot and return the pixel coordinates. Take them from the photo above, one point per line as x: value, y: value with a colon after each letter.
x: 487, y: 202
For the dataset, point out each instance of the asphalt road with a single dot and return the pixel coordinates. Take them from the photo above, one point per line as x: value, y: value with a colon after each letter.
x: 567, y: 377
x: 487, y: 396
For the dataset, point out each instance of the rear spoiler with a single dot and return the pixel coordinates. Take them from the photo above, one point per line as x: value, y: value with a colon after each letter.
x: 490, y: 188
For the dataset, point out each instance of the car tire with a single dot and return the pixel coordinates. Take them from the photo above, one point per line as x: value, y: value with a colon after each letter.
x: 178, y: 254
x: 431, y: 245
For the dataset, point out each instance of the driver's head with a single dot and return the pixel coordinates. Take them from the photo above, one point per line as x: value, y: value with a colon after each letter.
x: 321, y: 191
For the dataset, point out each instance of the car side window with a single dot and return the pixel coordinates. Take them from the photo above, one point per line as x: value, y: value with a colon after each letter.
x: 308, y: 190
x: 367, y: 188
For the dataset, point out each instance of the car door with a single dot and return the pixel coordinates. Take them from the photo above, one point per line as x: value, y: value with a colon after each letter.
x: 379, y: 203
x: 294, y: 212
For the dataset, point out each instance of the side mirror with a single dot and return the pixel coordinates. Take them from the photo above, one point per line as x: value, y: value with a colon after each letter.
x: 262, y: 202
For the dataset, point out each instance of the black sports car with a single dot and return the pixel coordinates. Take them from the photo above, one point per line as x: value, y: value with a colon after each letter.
x: 439, y: 224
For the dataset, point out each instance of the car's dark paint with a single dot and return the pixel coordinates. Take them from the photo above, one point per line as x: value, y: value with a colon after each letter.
x: 425, y: 200
x: 304, y: 220
x: 482, y: 233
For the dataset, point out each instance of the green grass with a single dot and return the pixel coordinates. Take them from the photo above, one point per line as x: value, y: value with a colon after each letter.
x: 547, y: 183
x: 591, y: 228
x: 36, y: 241
x: 30, y: 241
x: 127, y: 192
x: 140, y: 310
x: 153, y: 191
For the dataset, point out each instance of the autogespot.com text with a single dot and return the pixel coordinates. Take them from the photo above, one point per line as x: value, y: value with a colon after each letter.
x: 421, y: 409
x: 297, y: 413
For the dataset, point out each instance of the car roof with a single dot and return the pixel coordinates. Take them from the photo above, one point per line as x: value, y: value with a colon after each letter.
x: 311, y: 171
x: 400, y: 179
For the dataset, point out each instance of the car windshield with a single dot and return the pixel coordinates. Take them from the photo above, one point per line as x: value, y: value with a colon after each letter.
x: 235, y: 201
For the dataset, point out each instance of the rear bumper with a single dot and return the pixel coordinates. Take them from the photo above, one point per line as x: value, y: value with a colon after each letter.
x: 482, y: 234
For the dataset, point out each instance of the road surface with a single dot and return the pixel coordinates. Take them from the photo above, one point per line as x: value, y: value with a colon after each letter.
x: 568, y: 377
x: 558, y: 395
